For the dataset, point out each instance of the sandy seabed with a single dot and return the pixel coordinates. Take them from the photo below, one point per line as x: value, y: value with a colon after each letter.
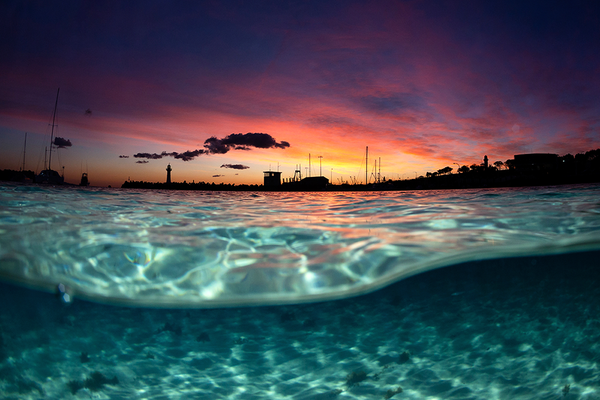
x: 522, y: 328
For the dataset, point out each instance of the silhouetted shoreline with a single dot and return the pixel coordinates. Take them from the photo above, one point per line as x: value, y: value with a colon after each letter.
x: 485, y: 179
x: 536, y: 169
x: 524, y: 171
x: 455, y: 181
x: 497, y: 179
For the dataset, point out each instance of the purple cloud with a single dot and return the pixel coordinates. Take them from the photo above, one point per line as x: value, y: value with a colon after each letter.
x: 213, y: 145
x: 243, y: 141
x: 62, y: 143
x: 235, y: 166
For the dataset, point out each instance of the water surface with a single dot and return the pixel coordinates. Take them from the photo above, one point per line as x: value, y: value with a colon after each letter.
x: 513, y: 314
x: 206, y: 249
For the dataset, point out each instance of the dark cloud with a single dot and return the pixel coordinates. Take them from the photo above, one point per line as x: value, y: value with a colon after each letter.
x: 189, y: 155
x: 142, y: 162
x: 243, y: 141
x: 149, y: 156
x: 185, y: 156
x: 213, y: 145
x: 217, y: 176
x: 123, y: 156
x: 235, y: 166
x: 62, y: 143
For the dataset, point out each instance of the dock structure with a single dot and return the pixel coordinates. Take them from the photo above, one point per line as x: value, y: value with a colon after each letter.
x: 311, y: 183
x: 272, y: 179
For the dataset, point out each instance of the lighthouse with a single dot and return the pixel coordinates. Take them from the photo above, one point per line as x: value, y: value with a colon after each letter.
x: 169, y: 169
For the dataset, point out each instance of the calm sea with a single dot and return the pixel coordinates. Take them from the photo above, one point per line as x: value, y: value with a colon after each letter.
x: 462, y: 294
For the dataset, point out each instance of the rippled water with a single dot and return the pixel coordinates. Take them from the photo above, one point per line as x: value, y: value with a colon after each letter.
x: 205, y: 249
x: 514, y: 315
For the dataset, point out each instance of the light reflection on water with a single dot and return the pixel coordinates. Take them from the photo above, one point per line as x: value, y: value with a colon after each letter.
x: 199, y: 249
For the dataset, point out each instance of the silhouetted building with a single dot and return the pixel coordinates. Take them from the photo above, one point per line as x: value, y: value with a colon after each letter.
x: 169, y: 169
x: 272, y: 179
x: 485, y: 162
x: 314, y: 183
x: 536, y: 162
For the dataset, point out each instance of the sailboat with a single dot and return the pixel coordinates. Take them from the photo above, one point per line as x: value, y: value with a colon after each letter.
x: 49, y: 175
x: 84, y: 180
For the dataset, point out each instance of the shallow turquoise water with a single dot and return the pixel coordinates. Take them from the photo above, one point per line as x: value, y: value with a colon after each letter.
x: 513, y: 314
x: 207, y: 249
x: 514, y: 328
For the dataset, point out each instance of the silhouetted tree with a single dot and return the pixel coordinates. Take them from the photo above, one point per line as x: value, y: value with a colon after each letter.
x: 443, y: 171
x: 463, y: 169
x: 568, y: 158
x: 499, y: 164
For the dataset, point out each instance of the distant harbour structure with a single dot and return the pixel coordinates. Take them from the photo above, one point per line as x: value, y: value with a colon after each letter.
x: 536, y: 162
x: 169, y: 169
x: 272, y: 179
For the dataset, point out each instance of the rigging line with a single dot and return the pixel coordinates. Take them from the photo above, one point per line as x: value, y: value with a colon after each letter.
x: 373, y: 172
x: 41, y: 155
x: 52, y: 134
x: 360, y: 169
x: 43, y: 152
x: 58, y: 156
x: 24, y: 152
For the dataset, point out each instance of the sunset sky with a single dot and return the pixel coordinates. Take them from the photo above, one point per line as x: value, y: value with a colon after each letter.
x: 424, y: 84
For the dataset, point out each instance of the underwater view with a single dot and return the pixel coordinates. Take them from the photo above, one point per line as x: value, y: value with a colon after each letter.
x: 446, y: 294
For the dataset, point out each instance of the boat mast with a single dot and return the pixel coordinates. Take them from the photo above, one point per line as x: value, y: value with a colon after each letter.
x: 24, y: 149
x: 367, y: 166
x: 52, y: 133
